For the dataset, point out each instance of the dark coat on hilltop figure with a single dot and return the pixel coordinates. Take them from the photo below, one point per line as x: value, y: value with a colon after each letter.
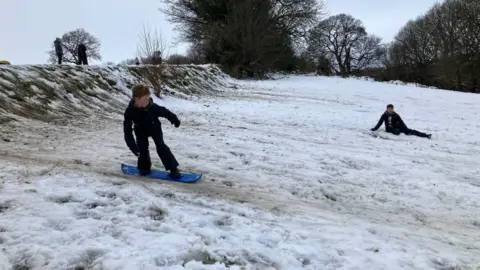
x: 58, y: 49
x: 82, y: 54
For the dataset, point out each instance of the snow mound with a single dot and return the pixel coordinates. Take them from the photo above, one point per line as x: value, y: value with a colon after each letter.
x: 53, y: 92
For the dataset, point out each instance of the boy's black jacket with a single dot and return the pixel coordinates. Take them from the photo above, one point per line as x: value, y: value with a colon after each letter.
x: 145, y: 121
x: 392, y: 122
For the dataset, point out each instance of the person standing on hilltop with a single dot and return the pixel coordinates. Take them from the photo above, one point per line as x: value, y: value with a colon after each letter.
x: 395, y: 125
x: 58, y: 50
x: 82, y: 54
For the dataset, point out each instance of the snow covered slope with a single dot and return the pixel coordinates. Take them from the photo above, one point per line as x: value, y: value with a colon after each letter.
x: 293, y: 179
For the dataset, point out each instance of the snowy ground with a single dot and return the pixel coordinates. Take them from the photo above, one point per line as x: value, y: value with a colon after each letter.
x: 293, y: 180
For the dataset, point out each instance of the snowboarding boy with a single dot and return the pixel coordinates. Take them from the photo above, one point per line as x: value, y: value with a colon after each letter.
x: 395, y: 125
x: 143, y: 113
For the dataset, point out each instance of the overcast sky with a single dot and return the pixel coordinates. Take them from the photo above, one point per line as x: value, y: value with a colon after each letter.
x: 28, y: 27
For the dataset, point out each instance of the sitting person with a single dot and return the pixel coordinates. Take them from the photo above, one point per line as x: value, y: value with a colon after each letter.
x: 395, y: 125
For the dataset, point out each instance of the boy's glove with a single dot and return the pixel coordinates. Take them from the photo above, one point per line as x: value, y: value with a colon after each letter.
x: 177, y: 123
x: 136, y: 153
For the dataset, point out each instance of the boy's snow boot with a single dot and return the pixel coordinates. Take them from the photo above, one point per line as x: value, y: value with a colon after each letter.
x: 145, y: 172
x: 175, y: 173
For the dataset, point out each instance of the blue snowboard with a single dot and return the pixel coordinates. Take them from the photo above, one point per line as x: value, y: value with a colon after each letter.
x: 162, y: 175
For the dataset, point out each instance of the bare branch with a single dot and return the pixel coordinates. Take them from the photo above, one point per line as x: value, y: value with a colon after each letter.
x: 152, y: 46
x: 343, y: 40
x: 247, y: 34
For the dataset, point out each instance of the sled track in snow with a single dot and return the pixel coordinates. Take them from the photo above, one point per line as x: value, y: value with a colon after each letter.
x: 216, y: 190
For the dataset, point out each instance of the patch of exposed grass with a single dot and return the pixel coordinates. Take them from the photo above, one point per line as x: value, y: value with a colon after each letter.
x: 87, y: 259
x: 225, y: 221
x: 209, y: 259
x: 156, y: 212
x: 4, y: 206
x: 61, y: 199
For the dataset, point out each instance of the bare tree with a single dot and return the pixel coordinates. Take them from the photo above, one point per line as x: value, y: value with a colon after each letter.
x: 470, y: 41
x: 249, y: 39
x: 250, y: 34
x: 191, y: 16
x: 344, y: 41
x: 152, y: 46
x: 152, y: 49
x: 297, y: 16
x: 70, y: 42
x: 195, y: 53
x: 441, y: 48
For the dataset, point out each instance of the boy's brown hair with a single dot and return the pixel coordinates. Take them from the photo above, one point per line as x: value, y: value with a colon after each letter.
x: 140, y: 90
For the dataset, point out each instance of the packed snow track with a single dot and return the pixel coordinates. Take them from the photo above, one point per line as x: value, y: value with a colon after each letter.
x: 293, y: 179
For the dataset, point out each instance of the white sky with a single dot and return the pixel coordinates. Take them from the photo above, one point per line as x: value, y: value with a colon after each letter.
x: 28, y: 27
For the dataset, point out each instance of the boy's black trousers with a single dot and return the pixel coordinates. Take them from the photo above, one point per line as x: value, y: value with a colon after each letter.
x: 144, y: 163
x: 408, y: 131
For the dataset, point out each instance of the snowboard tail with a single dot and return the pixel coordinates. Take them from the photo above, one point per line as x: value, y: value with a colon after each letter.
x: 161, y: 175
